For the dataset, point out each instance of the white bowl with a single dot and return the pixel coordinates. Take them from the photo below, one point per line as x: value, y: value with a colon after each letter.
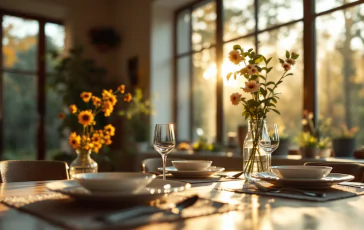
x: 301, y: 172
x: 191, y: 165
x: 114, y: 182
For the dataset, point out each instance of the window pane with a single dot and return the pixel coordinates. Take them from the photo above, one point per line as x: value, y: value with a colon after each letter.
x: 323, y: 5
x: 238, y: 18
x: 274, y: 44
x: 183, y: 99
x: 20, y: 116
x: 19, y: 43
x: 203, y: 26
x: 232, y: 114
x: 340, y: 72
x: 204, y: 93
x: 278, y: 12
x: 183, y: 32
x: 55, y: 37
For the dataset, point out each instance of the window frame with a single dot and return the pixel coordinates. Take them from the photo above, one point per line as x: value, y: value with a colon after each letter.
x: 40, y: 72
x: 309, y: 55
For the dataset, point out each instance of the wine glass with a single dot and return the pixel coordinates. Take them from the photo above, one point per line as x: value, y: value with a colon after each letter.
x: 269, y: 141
x: 164, y: 142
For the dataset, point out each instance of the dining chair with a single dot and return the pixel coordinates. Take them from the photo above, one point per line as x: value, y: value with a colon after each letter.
x: 355, y: 169
x: 152, y: 164
x: 21, y: 170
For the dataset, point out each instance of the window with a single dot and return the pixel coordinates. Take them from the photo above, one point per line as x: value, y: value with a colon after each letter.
x: 29, y: 109
x: 328, y: 82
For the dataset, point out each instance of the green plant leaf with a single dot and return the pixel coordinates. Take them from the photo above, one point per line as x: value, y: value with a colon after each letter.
x: 281, y: 61
x: 287, y: 54
x: 236, y: 47
x: 276, y: 111
x: 268, y: 60
x: 259, y: 59
x: 228, y: 75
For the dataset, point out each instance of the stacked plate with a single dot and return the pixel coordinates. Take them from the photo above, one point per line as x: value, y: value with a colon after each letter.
x: 116, y: 188
x: 192, y: 168
x: 314, y: 177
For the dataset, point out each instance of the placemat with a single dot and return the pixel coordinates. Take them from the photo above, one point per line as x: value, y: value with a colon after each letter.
x: 65, y: 212
x: 334, y: 193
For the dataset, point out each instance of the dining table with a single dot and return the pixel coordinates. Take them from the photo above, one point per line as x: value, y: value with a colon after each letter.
x: 249, y: 210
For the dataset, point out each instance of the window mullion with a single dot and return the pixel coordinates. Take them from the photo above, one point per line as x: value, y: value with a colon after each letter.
x: 219, y: 81
x: 41, y: 101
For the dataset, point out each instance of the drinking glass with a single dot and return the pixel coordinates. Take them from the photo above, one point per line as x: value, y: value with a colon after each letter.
x: 164, y: 142
x: 269, y: 141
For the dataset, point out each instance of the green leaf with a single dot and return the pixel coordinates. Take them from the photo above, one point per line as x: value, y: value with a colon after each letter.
x: 251, y: 62
x: 274, y: 100
x: 287, y: 54
x: 276, y: 111
x: 270, y: 83
x: 228, y: 75
x: 295, y: 56
x: 289, y: 74
x: 250, y: 50
x: 281, y: 61
x: 269, y: 69
x: 268, y: 60
x: 236, y: 47
x: 263, y: 92
x: 262, y: 77
x: 259, y: 59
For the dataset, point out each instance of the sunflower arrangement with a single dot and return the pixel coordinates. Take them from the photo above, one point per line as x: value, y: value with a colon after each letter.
x: 91, y: 138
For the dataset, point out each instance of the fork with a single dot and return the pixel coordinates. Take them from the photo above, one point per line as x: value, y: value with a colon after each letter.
x: 281, y: 189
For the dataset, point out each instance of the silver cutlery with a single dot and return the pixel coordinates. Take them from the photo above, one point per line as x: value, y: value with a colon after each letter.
x: 138, y: 211
x: 281, y: 189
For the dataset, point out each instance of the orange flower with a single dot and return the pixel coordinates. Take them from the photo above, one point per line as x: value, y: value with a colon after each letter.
x: 251, y: 86
x: 107, y: 108
x: 121, y: 88
x: 73, y: 108
x: 235, y: 98
x: 96, y: 101
x: 61, y: 115
x: 86, y: 117
x: 109, y: 130
x: 128, y: 97
x: 86, y: 96
x: 74, y: 140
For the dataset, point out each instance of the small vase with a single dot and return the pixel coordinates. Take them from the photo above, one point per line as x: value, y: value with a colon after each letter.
x: 309, y: 152
x: 83, y: 163
x: 255, y: 159
x: 324, y: 153
x: 343, y: 147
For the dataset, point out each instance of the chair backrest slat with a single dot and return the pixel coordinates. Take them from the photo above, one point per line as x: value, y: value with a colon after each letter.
x: 19, y: 170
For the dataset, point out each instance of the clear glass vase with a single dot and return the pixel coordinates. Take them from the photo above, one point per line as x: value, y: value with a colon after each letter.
x: 83, y: 163
x: 255, y: 159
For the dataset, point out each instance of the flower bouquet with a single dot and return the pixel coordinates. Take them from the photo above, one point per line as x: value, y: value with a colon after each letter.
x: 91, y: 139
x: 263, y: 99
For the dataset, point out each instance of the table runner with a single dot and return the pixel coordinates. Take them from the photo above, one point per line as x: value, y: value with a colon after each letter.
x: 334, y: 193
x: 66, y: 212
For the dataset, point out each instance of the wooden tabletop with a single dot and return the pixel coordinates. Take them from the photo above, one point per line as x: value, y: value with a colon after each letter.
x: 259, y: 212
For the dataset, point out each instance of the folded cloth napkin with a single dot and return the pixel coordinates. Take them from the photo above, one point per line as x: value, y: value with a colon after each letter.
x: 65, y: 212
x: 334, y: 193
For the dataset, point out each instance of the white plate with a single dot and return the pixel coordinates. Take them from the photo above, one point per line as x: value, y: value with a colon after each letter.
x: 326, y: 182
x: 205, y: 173
x: 157, y: 188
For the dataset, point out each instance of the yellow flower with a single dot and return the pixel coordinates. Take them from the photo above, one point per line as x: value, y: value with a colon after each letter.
x: 85, y: 117
x: 109, y: 130
x: 74, y: 140
x: 121, y: 88
x: 96, y: 147
x: 96, y: 138
x: 96, y: 101
x: 73, y: 108
x: 107, y: 140
x: 107, y: 108
x: 86, y: 96
x: 128, y: 97
x: 235, y: 57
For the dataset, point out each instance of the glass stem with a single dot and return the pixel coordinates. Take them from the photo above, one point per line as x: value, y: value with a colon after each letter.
x: 164, y: 159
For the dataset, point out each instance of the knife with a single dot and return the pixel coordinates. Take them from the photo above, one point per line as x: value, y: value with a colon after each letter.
x: 138, y: 211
